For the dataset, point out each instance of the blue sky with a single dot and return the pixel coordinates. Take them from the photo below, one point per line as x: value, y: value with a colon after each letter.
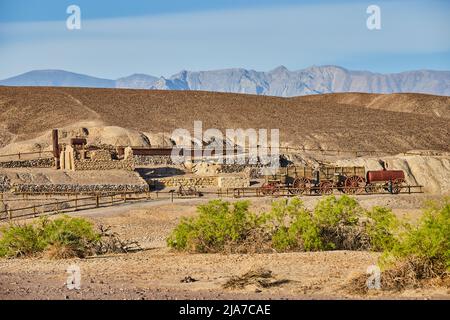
x: 157, y: 37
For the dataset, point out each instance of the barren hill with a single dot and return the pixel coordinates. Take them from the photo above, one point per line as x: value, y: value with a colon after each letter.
x: 395, y: 122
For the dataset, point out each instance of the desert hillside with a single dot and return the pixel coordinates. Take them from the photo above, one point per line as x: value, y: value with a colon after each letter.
x: 392, y: 123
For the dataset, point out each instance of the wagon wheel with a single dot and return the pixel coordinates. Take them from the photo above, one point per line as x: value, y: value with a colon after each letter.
x: 302, y: 185
x: 191, y: 191
x: 268, y: 188
x: 397, y: 186
x: 181, y: 190
x: 372, y: 188
x: 354, y: 185
x: 326, y: 187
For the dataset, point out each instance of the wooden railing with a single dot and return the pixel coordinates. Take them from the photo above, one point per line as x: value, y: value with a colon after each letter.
x: 78, y: 202
x: 26, y: 155
x: 159, y: 150
x: 83, y: 202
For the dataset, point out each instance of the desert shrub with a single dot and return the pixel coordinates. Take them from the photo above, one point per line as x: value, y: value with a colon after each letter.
x: 428, y: 240
x: 381, y: 227
x: 335, y: 223
x: 72, y: 236
x: 219, y: 223
x: 20, y: 240
x: 340, y: 223
x: 332, y: 211
x: 292, y: 227
x: 412, y: 253
x: 63, y: 237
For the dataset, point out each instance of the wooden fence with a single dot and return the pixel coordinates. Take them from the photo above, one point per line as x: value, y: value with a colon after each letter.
x: 159, y: 150
x: 78, y: 202
x: 83, y: 202
x: 25, y: 155
x: 292, y: 192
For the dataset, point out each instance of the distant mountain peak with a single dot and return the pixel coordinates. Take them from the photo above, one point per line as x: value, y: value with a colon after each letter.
x: 277, y: 82
x: 279, y: 69
x: 57, y: 78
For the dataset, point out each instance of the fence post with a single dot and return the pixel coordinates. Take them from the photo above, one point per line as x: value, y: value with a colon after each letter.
x: 34, y: 210
x: 97, y: 201
x: 76, y: 202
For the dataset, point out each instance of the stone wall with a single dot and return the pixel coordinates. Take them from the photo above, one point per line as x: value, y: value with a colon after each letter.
x: 82, y: 188
x: 98, y: 160
x: 100, y: 155
x: 254, y: 171
x: 35, y: 163
x: 228, y: 181
x: 142, y: 160
x: 90, y: 164
x: 233, y: 181
x: 5, y: 183
x: 200, y: 182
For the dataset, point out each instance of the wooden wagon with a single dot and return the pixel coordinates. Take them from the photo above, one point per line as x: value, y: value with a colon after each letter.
x: 321, y: 180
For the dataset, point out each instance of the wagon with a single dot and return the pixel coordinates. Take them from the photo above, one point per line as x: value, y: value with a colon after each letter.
x: 326, y: 179
x: 273, y: 184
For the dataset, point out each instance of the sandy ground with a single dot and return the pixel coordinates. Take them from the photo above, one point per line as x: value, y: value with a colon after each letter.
x: 156, y: 272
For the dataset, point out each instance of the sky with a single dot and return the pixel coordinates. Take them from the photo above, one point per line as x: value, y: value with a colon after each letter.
x: 161, y: 38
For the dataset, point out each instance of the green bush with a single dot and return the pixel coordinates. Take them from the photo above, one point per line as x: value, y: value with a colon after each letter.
x: 287, y: 226
x: 427, y: 241
x: 382, y: 227
x: 218, y: 224
x: 292, y: 227
x: 332, y: 211
x: 412, y: 253
x: 74, y: 236
x: 19, y: 241
x: 335, y: 223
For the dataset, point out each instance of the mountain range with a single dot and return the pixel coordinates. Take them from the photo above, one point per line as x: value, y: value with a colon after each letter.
x: 277, y: 82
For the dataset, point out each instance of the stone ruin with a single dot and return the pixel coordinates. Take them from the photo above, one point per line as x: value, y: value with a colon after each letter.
x: 72, y: 158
